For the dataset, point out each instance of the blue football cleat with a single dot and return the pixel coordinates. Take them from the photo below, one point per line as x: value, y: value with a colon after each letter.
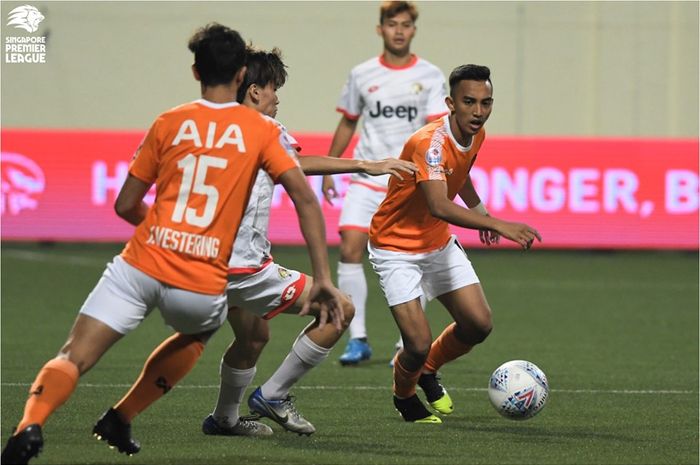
x: 282, y: 411
x: 355, y: 352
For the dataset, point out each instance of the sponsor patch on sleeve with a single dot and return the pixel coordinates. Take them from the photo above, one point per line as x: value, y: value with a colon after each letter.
x: 433, y: 157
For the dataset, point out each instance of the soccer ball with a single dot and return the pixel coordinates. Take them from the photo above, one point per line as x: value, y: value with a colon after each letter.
x: 518, y: 390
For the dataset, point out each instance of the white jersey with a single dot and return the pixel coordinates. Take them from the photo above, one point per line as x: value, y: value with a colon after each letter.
x: 251, y: 249
x: 394, y: 103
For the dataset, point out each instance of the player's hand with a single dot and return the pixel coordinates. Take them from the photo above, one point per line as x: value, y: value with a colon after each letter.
x: 520, y: 233
x: 390, y: 166
x: 328, y: 189
x: 329, y: 299
x: 489, y: 237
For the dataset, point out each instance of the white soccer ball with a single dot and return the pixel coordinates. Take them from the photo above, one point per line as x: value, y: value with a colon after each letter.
x: 518, y: 389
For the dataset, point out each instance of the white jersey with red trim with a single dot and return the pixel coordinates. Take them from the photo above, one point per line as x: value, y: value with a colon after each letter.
x: 393, y: 102
x: 251, y: 249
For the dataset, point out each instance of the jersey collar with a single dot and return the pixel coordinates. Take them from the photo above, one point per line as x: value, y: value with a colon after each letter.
x: 216, y: 106
x: 412, y: 62
x: 460, y: 147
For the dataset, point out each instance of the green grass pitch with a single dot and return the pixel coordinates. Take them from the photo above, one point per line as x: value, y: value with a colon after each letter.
x: 615, y: 332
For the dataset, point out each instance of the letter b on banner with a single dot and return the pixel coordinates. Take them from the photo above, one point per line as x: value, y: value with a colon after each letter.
x: 681, y: 192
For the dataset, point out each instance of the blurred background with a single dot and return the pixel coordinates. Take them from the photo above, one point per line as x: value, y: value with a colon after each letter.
x: 559, y: 68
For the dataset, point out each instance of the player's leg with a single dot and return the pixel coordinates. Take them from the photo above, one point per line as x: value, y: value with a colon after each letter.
x: 358, y: 207
x: 353, y: 282
x: 195, y: 317
x: 409, y: 361
x: 399, y: 344
x: 88, y: 340
x: 311, y: 347
x: 400, y: 277
x: 473, y: 324
x: 449, y: 275
x: 165, y: 366
x: 112, y: 309
x: 237, y: 371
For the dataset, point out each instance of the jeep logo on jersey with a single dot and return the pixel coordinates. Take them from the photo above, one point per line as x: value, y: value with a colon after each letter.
x: 22, y: 183
x: 400, y: 111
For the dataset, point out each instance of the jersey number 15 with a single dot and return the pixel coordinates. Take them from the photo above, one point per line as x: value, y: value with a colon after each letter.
x: 194, y: 173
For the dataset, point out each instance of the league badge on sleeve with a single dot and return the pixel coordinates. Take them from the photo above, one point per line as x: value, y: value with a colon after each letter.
x: 433, y: 157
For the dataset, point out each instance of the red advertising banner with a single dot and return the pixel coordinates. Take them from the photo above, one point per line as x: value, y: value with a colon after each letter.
x: 579, y: 193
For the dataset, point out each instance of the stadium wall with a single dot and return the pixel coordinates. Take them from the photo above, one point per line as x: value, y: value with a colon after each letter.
x: 622, y: 69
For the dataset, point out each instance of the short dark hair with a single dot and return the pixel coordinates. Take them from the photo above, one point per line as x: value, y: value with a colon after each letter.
x: 219, y: 53
x: 263, y: 68
x: 469, y: 73
x: 391, y: 9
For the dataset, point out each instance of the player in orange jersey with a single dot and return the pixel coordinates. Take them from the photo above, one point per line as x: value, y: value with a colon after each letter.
x: 259, y: 289
x: 203, y: 158
x: 413, y: 253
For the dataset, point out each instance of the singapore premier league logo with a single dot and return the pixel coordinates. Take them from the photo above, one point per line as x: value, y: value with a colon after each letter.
x: 25, y: 48
x: 25, y: 17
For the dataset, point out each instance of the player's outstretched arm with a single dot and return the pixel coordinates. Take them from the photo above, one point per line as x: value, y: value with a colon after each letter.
x: 442, y: 207
x: 129, y: 204
x: 341, y: 140
x: 314, y: 230
x: 312, y: 165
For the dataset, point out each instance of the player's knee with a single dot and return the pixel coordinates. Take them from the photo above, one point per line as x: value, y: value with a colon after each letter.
x: 474, y: 332
x: 418, y: 350
x: 348, y: 313
x: 257, y: 340
x: 482, y: 332
x: 350, y: 252
x: 251, y: 341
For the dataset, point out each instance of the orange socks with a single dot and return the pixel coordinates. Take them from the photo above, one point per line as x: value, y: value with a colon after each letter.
x: 52, y: 387
x: 404, y: 381
x: 445, y: 349
x: 167, y: 365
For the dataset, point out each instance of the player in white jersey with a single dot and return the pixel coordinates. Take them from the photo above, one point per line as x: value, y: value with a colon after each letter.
x: 258, y: 288
x: 394, y: 94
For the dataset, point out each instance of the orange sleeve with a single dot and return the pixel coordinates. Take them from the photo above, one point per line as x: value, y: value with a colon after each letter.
x: 429, y: 159
x: 278, y: 155
x: 144, y: 164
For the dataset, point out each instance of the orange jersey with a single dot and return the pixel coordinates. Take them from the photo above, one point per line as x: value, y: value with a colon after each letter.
x: 203, y: 158
x: 403, y: 221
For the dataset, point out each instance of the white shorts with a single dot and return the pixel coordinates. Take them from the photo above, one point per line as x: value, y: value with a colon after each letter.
x: 405, y: 276
x: 124, y: 296
x: 360, y: 204
x: 267, y: 292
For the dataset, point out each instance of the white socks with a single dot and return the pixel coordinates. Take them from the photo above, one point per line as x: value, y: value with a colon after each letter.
x: 305, y: 355
x: 352, y: 281
x: 233, y: 385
